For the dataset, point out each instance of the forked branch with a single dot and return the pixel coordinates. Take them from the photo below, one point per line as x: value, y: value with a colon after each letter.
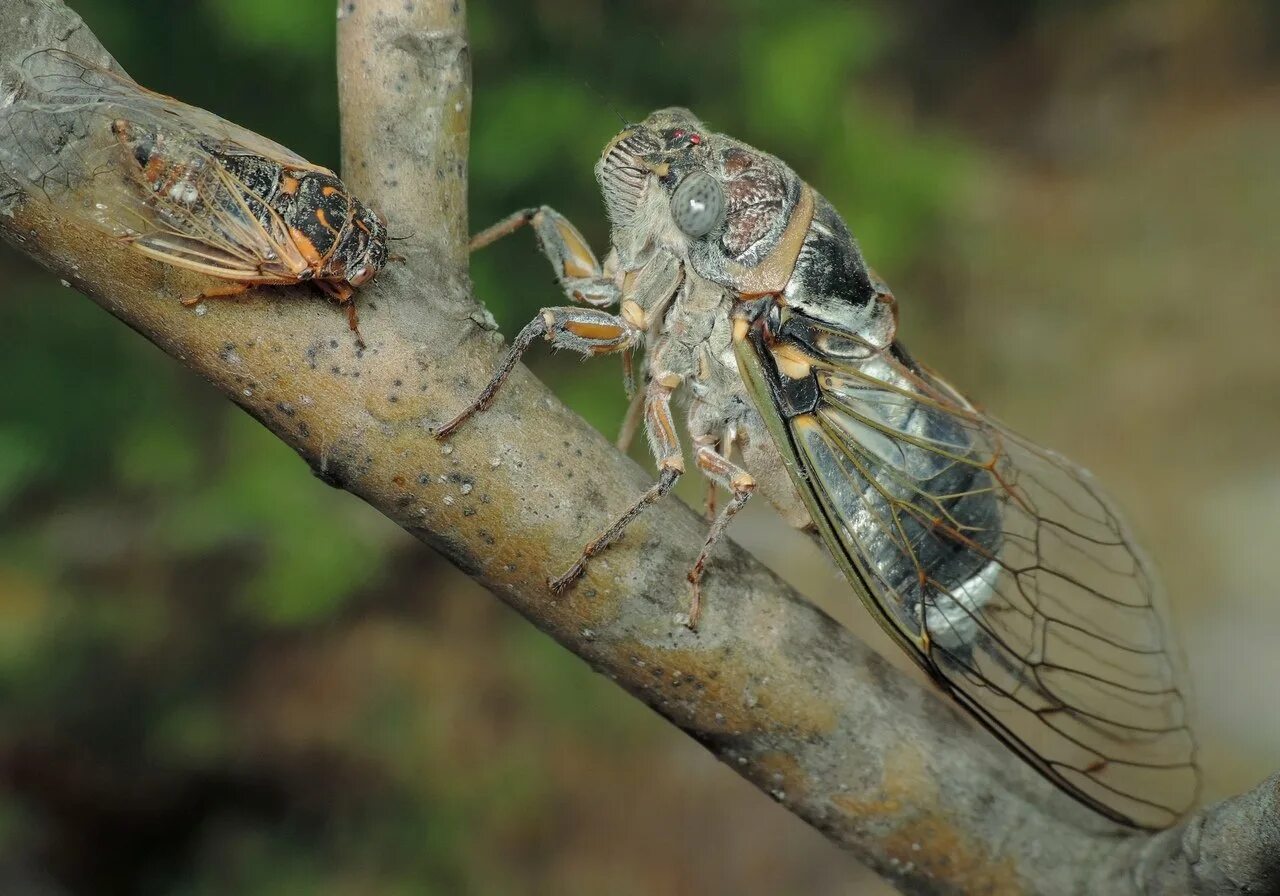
x: 773, y: 687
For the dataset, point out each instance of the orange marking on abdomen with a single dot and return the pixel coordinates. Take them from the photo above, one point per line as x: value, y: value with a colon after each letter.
x: 155, y: 168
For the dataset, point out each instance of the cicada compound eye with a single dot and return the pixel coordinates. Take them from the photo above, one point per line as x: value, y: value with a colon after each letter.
x: 363, y: 275
x: 697, y: 205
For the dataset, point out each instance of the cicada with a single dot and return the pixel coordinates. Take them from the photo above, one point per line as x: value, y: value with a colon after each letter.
x: 182, y: 185
x: 999, y: 566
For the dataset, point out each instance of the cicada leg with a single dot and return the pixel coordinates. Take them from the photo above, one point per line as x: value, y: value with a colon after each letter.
x: 344, y: 296
x: 631, y: 422
x: 583, y: 279
x: 229, y: 290
x: 583, y: 330
x: 740, y: 484
x: 505, y: 227
x: 666, y: 451
x: 578, y: 272
x: 711, y: 500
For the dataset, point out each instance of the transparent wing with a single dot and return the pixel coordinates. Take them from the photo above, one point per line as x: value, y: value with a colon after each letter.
x: 64, y: 78
x: 997, y: 564
x: 59, y: 137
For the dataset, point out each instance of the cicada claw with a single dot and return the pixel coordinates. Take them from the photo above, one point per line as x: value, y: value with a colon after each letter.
x: 570, y: 577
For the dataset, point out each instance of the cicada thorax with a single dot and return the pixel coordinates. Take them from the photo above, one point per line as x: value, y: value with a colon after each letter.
x: 318, y: 214
x: 342, y: 239
x: 315, y: 208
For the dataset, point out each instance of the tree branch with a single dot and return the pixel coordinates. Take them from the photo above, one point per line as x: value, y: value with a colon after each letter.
x: 777, y: 690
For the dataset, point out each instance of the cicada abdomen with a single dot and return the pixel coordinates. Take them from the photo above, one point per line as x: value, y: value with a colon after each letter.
x: 918, y: 472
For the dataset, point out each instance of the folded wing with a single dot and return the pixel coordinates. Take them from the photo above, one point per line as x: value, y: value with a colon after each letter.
x: 997, y: 564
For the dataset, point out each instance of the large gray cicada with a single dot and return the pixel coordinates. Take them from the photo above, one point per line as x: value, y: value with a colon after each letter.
x: 999, y: 566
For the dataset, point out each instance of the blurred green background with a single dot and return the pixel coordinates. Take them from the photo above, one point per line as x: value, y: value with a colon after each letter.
x: 219, y: 676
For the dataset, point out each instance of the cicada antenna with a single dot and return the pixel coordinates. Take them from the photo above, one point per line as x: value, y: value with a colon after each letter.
x: 608, y: 102
x: 396, y: 256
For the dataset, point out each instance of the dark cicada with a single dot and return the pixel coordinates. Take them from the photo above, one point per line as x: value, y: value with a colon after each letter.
x: 182, y: 185
x: 999, y: 566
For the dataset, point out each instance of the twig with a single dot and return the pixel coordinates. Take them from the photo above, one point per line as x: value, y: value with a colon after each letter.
x: 774, y: 688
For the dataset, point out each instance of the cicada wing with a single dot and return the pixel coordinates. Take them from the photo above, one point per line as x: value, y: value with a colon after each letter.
x: 999, y: 566
x: 70, y: 80
x: 62, y: 138
x: 197, y: 255
x: 226, y: 230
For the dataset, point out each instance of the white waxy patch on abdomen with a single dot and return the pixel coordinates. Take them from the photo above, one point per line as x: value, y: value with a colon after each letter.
x: 183, y: 192
x: 953, y: 619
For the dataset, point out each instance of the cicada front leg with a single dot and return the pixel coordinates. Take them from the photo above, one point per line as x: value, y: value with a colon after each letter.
x: 588, y: 331
x: 344, y: 296
x: 579, y: 274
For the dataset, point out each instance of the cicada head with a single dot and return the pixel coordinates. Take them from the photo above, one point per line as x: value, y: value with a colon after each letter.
x: 659, y: 179
x: 739, y: 218
x: 636, y: 162
x: 711, y: 199
x: 362, y: 250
